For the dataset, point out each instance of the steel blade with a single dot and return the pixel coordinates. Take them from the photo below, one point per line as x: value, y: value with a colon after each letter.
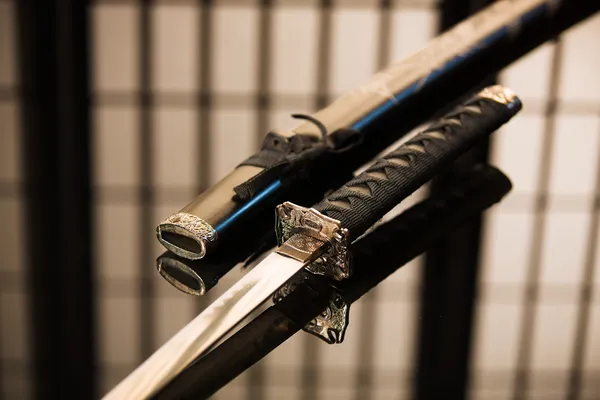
x: 207, y: 328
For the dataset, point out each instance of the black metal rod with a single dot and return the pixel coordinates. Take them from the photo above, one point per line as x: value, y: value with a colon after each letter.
x: 449, y: 279
x: 388, y: 247
x: 53, y: 58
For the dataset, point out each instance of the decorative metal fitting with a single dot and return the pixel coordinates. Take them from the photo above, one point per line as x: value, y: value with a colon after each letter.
x: 329, y: 326
x: 186, y: 235
x: 499, y: 94
x: 178, y: 274
x: 335, y: 261
x: 332, y: 323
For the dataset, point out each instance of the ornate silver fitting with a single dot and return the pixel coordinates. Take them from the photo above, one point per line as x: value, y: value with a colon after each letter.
x: 499, y: 94
x: 329, y: 326
x: 332, y: 323
x: 186, y: 235
x: 335, y: 261
x: 291, y: 220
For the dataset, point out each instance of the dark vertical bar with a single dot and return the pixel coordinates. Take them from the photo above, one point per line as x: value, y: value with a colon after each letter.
x: 204, y: 114
x: 6, y: 95
x: 310, y: 362
x: 531, y: 294
x: 204, y: 111
x: 256, y: 374
x: 585, y: 297
x: 205, y: 65
x: 146, y: 194
x: 75, y: 199
x: 53, y: 58
x: 366, y: 350
x: 449, y: 279
x: 324, y: 51
x: 263, y: 101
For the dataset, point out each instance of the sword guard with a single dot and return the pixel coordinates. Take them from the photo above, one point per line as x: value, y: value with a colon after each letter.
x: 335, y: 261
x: 331, y: 324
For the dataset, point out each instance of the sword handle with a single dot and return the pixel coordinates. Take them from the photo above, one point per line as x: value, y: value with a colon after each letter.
x: 361, y: 202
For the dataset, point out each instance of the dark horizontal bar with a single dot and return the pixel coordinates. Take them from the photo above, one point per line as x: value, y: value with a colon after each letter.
x: 389, y: 246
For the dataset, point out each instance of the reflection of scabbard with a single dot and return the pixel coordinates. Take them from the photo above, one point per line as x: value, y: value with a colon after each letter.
x: 196, y: 277
x: 181, y: 273
x: 376, y: 256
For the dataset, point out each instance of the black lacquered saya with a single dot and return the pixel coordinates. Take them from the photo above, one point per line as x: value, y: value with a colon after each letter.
x: 318, y: 239
x: 300, y: 165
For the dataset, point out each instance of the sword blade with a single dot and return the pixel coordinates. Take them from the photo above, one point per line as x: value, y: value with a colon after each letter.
x: 207, y: 328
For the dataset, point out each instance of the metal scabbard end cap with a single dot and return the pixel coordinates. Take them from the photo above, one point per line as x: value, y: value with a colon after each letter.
x: 186, y: 235
x: 502, y: 95
x: 180, y: 275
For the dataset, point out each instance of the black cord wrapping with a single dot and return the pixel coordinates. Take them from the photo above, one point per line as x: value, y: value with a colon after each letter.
x: 368, y: 197
x: 278, y: 155
x: 299, y: 157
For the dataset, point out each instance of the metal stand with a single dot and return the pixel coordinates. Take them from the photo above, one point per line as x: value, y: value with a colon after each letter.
x: 449, y: 279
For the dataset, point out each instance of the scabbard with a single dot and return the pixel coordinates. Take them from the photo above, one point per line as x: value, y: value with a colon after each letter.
x: 376, y: 256
x: 320, y: 153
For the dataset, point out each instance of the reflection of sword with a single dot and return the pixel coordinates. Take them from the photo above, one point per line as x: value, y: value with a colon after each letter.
x: 416, y: 229
x: 318, y: 238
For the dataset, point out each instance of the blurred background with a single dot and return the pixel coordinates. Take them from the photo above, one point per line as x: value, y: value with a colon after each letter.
x: 179, y: 92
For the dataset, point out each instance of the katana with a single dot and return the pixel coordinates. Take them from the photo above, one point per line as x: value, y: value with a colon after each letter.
x: 231, y: 219
x: 318, y: 238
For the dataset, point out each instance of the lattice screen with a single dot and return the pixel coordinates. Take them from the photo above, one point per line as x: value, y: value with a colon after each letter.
x: 183, y: 91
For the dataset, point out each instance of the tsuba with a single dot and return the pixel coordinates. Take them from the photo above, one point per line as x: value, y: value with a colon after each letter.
x: 331, y: 324
x: 292, y: 219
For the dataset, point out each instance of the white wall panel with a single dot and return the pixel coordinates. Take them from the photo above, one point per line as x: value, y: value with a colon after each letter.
x: 411, y: 30
x: 353, y: 48
x: 294, y: 42
x: 529, y: 77
x: 175, y: 37
x: 119, y: 331
x: 116, y: 141
x: 115, y: 47
x: 233, y: 139
x: 172, y: 314
x: 117, y: 241
x: 552, y: 347
x: 580, y: 80
x: 177, y: 147
x: 235, y: 46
